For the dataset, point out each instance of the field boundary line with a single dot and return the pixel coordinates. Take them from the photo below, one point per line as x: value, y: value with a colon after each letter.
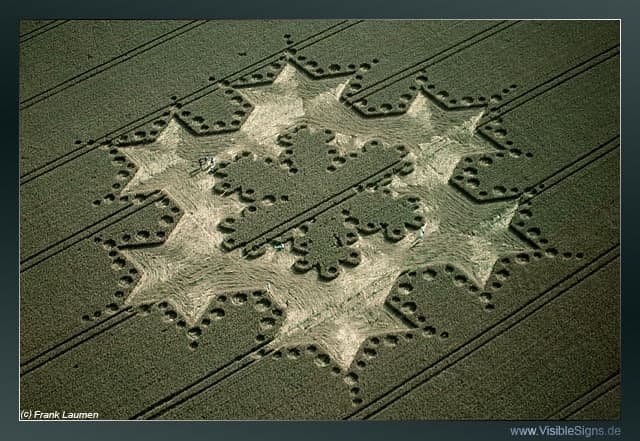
x: 41, y: 30
x: 75, y: 340
x: 121, y: 58
x: 432, y: 60
x: 550, y: 84
x: 470, y: 346
x: 67, y: 242
x: 211, y: 379
x: 607, y: 385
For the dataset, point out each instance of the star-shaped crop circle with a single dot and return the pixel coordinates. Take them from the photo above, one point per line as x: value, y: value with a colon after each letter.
x: 191, y: 267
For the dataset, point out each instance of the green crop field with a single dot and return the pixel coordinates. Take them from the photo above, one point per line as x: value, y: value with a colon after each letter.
x: 338, y: 219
